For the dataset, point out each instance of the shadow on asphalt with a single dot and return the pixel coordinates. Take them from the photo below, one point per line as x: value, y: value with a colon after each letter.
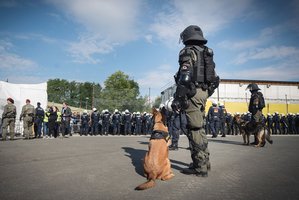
x: 226, y: 142
x: 136, y: 156
x: 175, y: 164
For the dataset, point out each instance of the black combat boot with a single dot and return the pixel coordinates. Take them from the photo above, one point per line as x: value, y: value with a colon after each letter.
x: 192, y: 171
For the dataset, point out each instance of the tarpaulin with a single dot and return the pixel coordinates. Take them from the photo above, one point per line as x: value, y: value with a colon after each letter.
x: 20, y: 92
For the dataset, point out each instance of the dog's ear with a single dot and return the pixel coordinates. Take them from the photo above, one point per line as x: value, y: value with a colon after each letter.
x: 154, y: 110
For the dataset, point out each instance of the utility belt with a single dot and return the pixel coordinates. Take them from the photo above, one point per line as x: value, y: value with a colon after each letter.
x: 28, y: 115
x: 9, y: 116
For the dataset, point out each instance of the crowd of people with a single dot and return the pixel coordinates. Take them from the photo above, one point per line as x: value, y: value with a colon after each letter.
x: 52, y: 123
x: 221, y: 122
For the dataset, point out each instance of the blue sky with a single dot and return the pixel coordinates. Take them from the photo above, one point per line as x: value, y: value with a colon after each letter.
x: 88, y: 40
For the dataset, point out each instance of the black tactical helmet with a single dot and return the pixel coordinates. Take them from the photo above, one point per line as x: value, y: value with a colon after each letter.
x: 192, y: 33
x: 252, y: 87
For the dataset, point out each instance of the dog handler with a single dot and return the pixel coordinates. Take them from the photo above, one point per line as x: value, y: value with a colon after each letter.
x: 196, y: 80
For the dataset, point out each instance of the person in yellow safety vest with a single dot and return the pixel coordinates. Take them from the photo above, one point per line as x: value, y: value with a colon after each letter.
x: 45, y: 126
x: 58, y: 122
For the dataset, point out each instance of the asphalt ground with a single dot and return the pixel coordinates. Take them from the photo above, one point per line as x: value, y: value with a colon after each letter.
x: 110, y: 167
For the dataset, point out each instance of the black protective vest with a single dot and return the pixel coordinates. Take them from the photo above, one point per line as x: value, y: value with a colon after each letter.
x: 201, y: 63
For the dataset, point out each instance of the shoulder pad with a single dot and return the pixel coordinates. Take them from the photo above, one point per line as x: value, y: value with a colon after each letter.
x: 210, y: 52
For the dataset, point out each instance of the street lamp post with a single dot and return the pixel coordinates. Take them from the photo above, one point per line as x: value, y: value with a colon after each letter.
x: 86, y: 99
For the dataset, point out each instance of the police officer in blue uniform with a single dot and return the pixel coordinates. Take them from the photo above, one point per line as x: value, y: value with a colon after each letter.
x: 138, y: 123
x: 214, y: 119
x: 106, y: 122
x: 95, y: 118
x: 84, y: 123
x: 38, y: 121
x: 127, y: 122
x: 116, y: 117
x: 269, y: 123
x: 223, y: 114
x: 276, y: 123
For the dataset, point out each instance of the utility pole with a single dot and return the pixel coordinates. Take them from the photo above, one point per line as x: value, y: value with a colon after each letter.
x: 218, y: 94
x: 287, y: 106
x: 92, y: 100
x: 86, y: 99
x: 149, y: 96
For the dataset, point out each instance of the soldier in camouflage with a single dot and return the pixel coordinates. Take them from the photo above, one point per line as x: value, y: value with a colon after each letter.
x: 27, y: 114
x: 9, y: 119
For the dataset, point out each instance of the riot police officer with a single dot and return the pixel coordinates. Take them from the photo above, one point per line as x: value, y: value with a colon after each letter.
x: 276, y: 123
x: 256, y: 105
x: 116, y: 117
x: 229, y: 123
x: 214, y: 119
x: 269, y: 123
x: 196, y: 80
x: 8, y: 119
x: 223, y: 114
x: 127, y: 122
x: 147, y: 123
x: 257, y: 102
x: 106, y: 122
x: 95, y: 118
x: 137, y: 123
x: 84, y: 123
x: 283, y: 124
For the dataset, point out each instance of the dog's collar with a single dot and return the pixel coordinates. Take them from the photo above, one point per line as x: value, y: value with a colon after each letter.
x: 160, y: 135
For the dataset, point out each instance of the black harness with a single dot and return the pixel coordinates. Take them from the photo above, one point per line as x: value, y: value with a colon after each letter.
x: 160, y: 135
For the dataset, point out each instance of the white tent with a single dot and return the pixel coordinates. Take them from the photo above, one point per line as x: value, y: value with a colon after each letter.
x: 20, y: 92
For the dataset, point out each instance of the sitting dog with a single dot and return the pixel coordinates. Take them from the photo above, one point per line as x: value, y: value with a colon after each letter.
x: 156, y: 162
x: 257, y: 129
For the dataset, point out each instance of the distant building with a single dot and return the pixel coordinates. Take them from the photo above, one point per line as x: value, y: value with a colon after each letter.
x: 280, y: 96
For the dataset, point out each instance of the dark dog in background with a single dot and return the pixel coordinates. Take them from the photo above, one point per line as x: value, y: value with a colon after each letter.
x: 261, y: 134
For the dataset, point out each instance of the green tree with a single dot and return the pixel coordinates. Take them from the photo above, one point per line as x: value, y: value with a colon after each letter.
x: 121, y: 92
x: 157, y: 102
x: 57, y: 90
x: 74, y: 93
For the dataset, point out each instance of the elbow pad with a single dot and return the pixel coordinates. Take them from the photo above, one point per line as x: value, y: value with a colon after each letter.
x: 185, y: 76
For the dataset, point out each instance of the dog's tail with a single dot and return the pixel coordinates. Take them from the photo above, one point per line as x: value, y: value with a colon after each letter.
x: 268, y: 138
x: 149, y: 184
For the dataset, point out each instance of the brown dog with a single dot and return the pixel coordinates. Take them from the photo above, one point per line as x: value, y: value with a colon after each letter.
x: 156, y: 163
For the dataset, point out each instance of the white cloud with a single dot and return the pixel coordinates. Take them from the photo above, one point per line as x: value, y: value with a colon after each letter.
x: 274, y: 72
x: 106, y: 23
x: 158, y: 78
x: 84, y: 50
x: 245, y: 44
x: 12, y: 61
x: 211, y: 16
x: 265, y: 35
x: 285, y: 65
x: 272, y: 52
x: 149, y: 38
x: 35, y: 36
